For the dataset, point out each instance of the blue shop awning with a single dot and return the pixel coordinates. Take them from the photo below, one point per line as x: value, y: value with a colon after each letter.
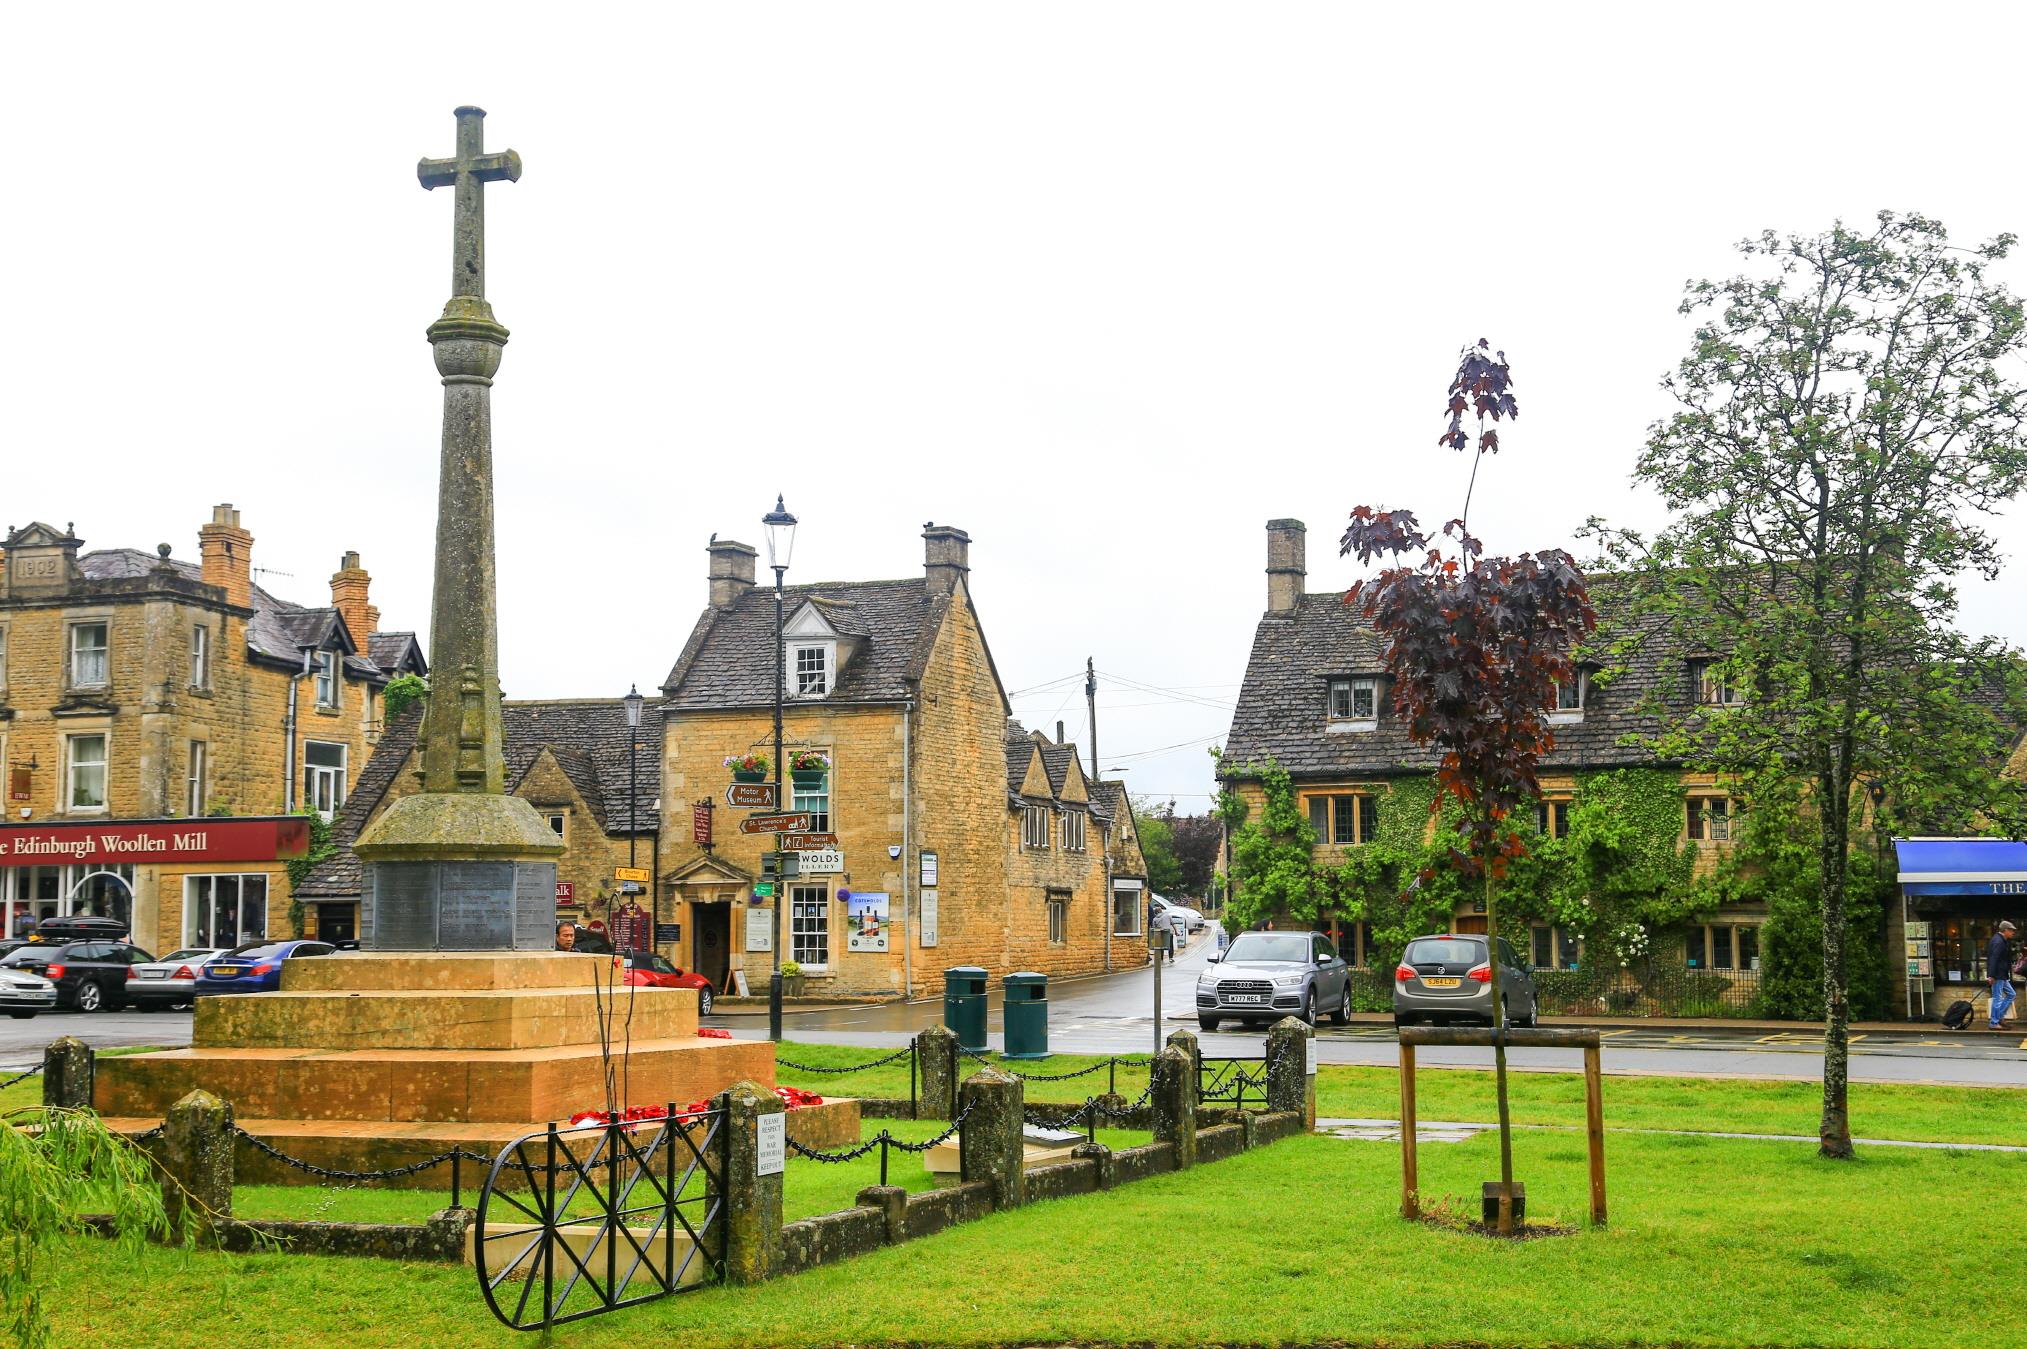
x: 1962, y: 866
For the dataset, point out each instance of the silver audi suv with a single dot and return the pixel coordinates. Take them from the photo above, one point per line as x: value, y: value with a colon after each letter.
x: 1264, y: 976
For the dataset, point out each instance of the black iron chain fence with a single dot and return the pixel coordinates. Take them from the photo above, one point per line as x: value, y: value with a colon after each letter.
x: 882, y: 1141
x: 896, y: 1057
x: 20, y: 1077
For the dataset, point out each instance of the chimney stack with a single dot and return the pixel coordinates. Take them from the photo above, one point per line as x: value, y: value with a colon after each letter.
x: 731, y: 571
x: 1059, y: 732
x: 946, y: 558
x: 227, y: 551
x: 1287, y: 558
x: 349, y: 585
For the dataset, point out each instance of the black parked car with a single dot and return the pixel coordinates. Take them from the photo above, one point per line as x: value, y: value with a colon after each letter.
x: 89, y: 975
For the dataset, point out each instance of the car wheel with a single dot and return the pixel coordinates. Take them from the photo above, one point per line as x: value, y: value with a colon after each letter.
x: 90, y: 997
x: 703, y: 1002
x: 1308, y: 1012
x: 1207, y: 1023
x: 1342, y: 1016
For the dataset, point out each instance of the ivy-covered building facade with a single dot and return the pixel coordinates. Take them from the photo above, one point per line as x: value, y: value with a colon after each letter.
x: 1644, y: 885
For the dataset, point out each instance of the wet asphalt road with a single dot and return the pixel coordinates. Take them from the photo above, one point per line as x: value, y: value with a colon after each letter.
x: 1113, y: 1014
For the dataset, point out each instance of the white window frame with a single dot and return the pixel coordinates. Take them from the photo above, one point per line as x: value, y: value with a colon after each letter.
x: 71, y: 765
x: 239, y: 900
x: 1073, y: 831
x: 1058, y: 904
x: 197, y: 777
x: 1035, y: 827
x: 810, y: 678
x: 1136, y: 902
x: 559, y: 821
x: 200, y: 656
x: 1714, y: 689
x: 323, y: 781
x: 817, y: 803
x: 104, y: 652
x: 1345, y: 695
x: 809, y: 910
x: 326, y: 676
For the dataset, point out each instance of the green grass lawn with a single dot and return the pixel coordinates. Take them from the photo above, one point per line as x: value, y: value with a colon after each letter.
x: 1878, y: 1110
x: 810, y: 1188
x: 1711, y: 1243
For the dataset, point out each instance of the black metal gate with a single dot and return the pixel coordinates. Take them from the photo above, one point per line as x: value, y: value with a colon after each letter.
x: 602, y: 1216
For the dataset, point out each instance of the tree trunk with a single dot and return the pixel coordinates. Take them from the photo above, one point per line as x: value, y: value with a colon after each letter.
x: 1505, y: 1225
x: 1835, y: 1132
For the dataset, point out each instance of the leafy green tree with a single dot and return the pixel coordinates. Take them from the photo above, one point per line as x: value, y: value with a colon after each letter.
x: 1197, y: 839
x: 1157, y: 845
x: 1847, y: 420
x: 401, y: 693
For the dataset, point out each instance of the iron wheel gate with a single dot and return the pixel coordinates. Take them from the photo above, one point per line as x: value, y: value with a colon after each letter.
x: 602, y: 1216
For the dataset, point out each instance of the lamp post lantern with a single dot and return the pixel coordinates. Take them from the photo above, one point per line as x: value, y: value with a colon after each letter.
x: 780, y: 526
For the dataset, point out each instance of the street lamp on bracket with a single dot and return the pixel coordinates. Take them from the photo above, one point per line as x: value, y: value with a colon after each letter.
x: 780, y: 527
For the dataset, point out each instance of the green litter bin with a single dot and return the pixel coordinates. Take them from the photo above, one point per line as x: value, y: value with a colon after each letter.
x: 1027, y: 1016
x: 964, y: 1005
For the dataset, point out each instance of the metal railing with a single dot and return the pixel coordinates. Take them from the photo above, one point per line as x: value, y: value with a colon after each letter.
x: 914, y: 1069
x: 603, y: 1216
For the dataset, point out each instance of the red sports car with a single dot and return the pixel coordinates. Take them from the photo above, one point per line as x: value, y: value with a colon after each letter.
x: 645, y: 969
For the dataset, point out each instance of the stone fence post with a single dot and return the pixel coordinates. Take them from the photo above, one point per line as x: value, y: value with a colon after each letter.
x: 936, y: 1060
x: 68, y: 1068
x: 990, y: 1142
x: 1172, y: 1099
x: 1186, y: 1041
x: 196, y: 1160
x: 752, y: 1202
x: 1290, y: 1084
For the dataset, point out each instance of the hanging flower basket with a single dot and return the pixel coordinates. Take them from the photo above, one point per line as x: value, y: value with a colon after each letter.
x: 748, y: 767
x: 808, y: 767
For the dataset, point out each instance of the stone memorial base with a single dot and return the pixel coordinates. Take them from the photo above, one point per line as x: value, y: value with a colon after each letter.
x: 365, y: 1060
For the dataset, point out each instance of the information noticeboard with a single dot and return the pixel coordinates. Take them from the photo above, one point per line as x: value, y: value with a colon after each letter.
x: 759, y: 929
x: 925, y: 921
x: 928, y: 871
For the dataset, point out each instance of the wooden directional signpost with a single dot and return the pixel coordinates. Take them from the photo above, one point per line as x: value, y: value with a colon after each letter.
x: 750, y: 794
x: 788, y: 822
x: 806, y: 842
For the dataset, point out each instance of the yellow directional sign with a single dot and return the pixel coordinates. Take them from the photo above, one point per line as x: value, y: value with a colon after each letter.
x: 641, y: 874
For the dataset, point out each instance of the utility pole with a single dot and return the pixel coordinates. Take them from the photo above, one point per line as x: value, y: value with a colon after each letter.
x: 1091, y: 701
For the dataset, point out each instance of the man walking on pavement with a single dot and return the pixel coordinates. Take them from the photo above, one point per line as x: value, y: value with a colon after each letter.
x: 1999, y: 969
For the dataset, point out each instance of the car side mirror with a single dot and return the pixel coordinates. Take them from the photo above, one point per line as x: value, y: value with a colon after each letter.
x: 1214, y: 957
x: 1322, y: 959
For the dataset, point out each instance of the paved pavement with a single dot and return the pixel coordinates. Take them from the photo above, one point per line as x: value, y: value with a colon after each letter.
x: 1113, y: 1014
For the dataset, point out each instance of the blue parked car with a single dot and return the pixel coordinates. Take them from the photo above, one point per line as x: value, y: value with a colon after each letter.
x: 254, y: 969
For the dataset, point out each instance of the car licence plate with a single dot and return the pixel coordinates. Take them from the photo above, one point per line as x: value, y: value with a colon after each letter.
x: 226, y: 971
x: 1247, y: 997
x: 1428, y: 982
x: 154, y: 974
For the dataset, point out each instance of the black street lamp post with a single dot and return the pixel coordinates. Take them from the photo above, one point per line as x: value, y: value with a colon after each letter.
x: 780, y: 526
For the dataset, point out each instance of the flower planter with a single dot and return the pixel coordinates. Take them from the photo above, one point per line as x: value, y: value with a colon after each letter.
x: 746, y: 775
x: 791, y: 985
x: 809, y: 779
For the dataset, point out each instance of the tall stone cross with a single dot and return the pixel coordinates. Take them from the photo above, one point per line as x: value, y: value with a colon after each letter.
x: 461, y: 865
x: 469, y: 172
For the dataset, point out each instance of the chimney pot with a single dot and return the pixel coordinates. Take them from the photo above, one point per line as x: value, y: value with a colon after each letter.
x: 227, y: 555
x: 731, y: 570
x: 946, y: 557
x: 350, y: 585
x: 1287, y: 564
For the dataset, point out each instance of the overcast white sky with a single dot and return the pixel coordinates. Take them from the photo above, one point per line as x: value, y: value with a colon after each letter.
x: 1106, y: 285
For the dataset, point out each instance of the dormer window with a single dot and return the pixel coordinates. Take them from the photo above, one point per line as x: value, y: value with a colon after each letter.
x: 1354, y: 703
x: 810, y: 670
x: 1570, y: 697
x: 1714, y: 688
x: 327, y: 678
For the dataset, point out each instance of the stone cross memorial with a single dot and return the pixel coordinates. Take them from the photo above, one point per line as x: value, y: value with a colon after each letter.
x: 461, y: 865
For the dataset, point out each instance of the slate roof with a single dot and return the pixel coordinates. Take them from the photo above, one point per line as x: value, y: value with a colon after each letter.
x: 278, y: 630
x: 589, y: 738
x: 729, y: 658
x: 1282, y: 708
x: 1056, y: 759
x: 389, y: 650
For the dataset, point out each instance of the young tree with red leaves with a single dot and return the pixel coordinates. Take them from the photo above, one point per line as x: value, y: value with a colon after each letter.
x: 1476, y: 647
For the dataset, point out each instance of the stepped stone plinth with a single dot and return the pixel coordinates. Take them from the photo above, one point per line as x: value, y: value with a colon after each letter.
x: 366, y: 1060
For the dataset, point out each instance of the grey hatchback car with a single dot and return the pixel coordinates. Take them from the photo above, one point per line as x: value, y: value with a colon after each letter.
x: 1263, y: 976
x: 1448, y: 978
